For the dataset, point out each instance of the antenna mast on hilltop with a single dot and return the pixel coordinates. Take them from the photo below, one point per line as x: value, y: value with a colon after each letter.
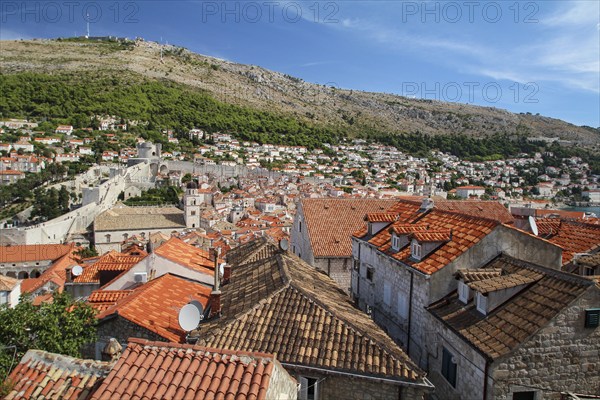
x: 161, y: 50
x: 87, y: 19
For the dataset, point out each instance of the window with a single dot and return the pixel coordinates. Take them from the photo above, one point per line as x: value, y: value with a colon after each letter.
x: 449, y: 367
x: 416, y: 250
x: 395, y: 242
x: 299, y: 226
x: 125, y: 236
x: 193, y: 212
x: 309, y: 388
x: 463, y: 292
x: 107, y: 238
x: 387, y: 293
x: 523, y: 396
x: 370, y: 273
x: 592, y: 318
x: 481, y: 303
x: 588, y: 271
x: 402, y: 305
x: 356, y: 265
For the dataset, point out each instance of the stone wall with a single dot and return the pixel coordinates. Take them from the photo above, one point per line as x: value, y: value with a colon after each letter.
x: 120, y: 329
x: 299, y: 240
x: 281, y: 385
x: 470, y: 364
x: 338, y: 269
x: 563, y: 356
x: 349, y: 388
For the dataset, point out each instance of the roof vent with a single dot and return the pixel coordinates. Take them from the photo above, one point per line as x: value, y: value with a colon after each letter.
x: 426, y: 205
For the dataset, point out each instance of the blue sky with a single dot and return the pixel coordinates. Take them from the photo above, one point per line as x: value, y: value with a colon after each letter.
x: 524, y: 56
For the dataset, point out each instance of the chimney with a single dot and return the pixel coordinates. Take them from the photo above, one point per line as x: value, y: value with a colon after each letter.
x: 69, y: 275
x: 226, y: 273
x: 426, y: 205
x: 215, y: 295
x: 112, y: 350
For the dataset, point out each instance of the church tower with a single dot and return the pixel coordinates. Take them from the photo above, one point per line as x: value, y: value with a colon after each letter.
x: 191, y: 205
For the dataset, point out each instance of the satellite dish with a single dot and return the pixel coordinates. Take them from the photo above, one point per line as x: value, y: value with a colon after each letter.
x: 189, y: 317
x: 222, y: 268
x: 284, y: 244
x: 533, y: 225
x: 199, y: 306
x: 77, y: 270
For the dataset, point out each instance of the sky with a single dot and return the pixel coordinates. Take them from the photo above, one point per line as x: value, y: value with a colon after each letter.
x: 524, y: 56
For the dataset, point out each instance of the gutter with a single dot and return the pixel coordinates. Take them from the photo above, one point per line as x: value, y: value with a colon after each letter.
x: 409, y: 312
x: 426, y: 385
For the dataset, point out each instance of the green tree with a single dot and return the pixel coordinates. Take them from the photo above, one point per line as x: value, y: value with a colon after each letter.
x: 63, y: 326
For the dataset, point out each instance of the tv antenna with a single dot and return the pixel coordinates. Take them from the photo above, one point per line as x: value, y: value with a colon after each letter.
x: 189, y: 317
x: 87, y: 19
x: 533, y: 225
x: 77, y: 270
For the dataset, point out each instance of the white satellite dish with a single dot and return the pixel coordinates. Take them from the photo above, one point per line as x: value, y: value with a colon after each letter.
x: 284, y: 244
x: 533, y: 225
x: 77, y: 270
x: 199, y: 306
x: 189, y: 317
x: 222, y: 268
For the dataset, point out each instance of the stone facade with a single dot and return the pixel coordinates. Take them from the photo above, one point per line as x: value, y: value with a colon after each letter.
x: 563, y: 356
x: 120, y: 329
x: 396, y: 295
x: 335, y: 387
x: 281, y: 385
x: 339, y: 269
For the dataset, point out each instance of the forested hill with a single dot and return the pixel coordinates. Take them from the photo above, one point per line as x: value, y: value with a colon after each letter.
x: 262, y: 92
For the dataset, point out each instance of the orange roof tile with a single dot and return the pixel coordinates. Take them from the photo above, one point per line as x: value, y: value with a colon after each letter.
x: 175, y: 371
x: 33, y: 252
x: 572, y: 236
x: 111, y: 261
x: 442, y: 235
x: 330, y: 223
x: 380, y: 217
x: 477, y: 208
x: 276, y: 302
x: 43, y: 375
x: 155, y: 305
x: 187, y: 255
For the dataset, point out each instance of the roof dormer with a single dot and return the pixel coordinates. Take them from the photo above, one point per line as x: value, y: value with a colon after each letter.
x: 497, y: 290
x: 425, y: 242
x: 376, y: 222
x: 401, y: 232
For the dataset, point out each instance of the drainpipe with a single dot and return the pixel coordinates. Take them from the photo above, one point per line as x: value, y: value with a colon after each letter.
x: 485, y: 379
x: 410, y: 296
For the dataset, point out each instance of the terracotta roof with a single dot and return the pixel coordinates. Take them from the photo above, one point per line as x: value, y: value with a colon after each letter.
x: 56, y: 274
x: 466, y: 232
x: 155, y: 370
x: 402, y: 228
x: 124, y: 218
x: 330, y: 223
x: 282, y: 305
x: 477, y: 208
x: 442, y: 235
x: 43, y: 375
x: 506, y: 281
x: 573, y: 237
x: 7, y: 284
x: 509, y: 325
x: 155, y: 305
x: 380, y: 217
x: 479, y: 274
x: 111, y: 261
x: 33, y: 252
x: 180, y: 252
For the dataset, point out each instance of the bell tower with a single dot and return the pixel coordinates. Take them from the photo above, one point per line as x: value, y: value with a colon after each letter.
x: 191, y: 205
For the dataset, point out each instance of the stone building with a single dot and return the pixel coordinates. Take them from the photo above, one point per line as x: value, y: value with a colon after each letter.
x: 149, y: 311
x: 10, y: 290
x: 121, y: 222
x: 405, y: 259
x: 322, y: 230
x: 273, y: 301
x: 515, y: 331
x: 30, y: 261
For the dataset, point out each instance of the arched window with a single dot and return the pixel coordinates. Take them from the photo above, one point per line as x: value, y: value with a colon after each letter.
x: 23, y: 275
x: 107, y: 238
